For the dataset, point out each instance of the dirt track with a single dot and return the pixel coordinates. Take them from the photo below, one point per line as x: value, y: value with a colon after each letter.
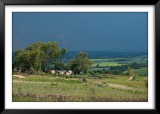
x: 110, y: 85
x: 19, y: 76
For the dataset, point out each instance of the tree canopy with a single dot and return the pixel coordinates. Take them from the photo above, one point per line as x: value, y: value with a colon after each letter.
x: 43, y: 56
x: 39, y: 56
x: 80, y: 63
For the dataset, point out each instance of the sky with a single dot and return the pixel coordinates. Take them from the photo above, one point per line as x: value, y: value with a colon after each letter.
x: 117, y: 32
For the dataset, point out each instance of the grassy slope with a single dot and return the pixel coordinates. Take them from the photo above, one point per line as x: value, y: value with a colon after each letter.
x: 43, y: 88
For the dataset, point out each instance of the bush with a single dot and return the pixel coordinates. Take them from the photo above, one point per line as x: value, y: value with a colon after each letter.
x: 94, y: 74
x: 32, y: 70
x: 134, y: 78
x: 43, y: 74
x: 84, y: 79
x: 75, y: 76
x: 100, y: 77
x: 67, y: 76
x: 71, y: 76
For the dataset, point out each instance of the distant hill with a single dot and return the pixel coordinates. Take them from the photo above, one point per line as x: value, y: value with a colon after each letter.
x: 103, y: 55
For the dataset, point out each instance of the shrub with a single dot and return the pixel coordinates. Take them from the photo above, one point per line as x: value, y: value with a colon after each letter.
x: 47, y: 74
x: 84, y: 79
x: 71, y: 76
x: 66, y: 76
x: 75, y: 76
x: 32, y: 70
x: 42, y: 73
x: 100, y: 77
x: 134, y: 78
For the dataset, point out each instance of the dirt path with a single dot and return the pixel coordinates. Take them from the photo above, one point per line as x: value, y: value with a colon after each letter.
x: 120, y: 86
x: 110, y: 85
x: 19, y: 76
x: 29, y: 82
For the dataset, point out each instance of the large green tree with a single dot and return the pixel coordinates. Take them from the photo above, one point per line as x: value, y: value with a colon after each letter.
x: 80, y: 63
x: 39, y: 56
x: 52, y: 53
x: 16, y: 61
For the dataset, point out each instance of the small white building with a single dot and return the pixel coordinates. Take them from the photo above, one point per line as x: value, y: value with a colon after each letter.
x: 61, y: 72
x: 53, y: 71
x: 68, y: 72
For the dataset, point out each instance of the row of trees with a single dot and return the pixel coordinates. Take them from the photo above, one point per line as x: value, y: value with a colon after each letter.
x: 42, y: 56
x: 120, y: 69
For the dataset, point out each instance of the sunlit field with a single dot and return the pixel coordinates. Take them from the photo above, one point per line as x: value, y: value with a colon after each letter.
x: 111, y: 88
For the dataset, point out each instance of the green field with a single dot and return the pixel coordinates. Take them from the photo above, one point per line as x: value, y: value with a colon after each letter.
x: 117, y: 61
x: 54, y: 88
x: 103, y: 62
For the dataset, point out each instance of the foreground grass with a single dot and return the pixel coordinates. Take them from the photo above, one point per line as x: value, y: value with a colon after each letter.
x: 49, y: 89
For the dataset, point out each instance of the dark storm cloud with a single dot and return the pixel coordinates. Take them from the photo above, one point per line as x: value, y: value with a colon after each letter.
x: 83, y: 31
